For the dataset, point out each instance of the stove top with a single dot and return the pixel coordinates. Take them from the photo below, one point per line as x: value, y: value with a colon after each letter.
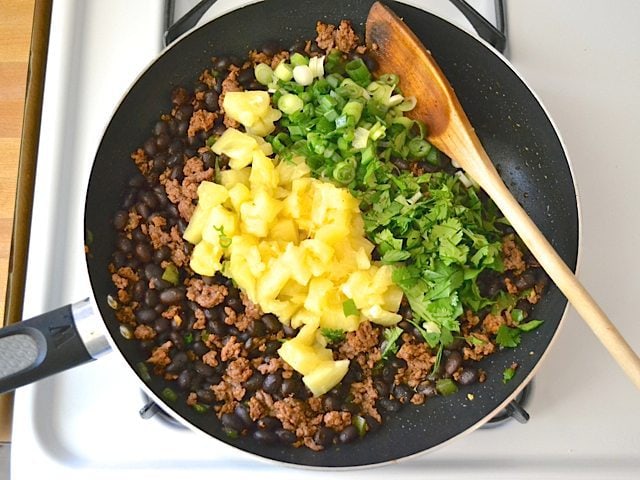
x: 85, y: 423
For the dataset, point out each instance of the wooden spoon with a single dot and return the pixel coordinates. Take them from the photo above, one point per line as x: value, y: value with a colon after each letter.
x: 395, y: 46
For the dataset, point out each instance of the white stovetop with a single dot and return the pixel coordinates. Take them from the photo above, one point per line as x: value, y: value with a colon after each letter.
x: 583, y: 62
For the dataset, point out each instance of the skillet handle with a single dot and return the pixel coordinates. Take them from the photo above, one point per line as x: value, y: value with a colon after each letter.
x: 49, y: 343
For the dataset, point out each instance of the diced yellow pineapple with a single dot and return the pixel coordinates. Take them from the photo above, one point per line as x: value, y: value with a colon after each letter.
x: 199, y: 217
x: 325, y: 376
x: 238, y: 146
x: 310, y: 325
x: 332, y: 233
x: 380, y: 316
x: 320, y: 290
x: 284, y: 310
x: 333, y: 317
x: 258, y: 214
x: 229, y: 178
x: 211, y: 194
x: 239, y: 194
x: 298, y: 204
x: 303, y: 317
x: 302, y: 357
x: 247, y: 107
x: 221, y: 226
x: 205, y: 258
x: 284, y: 230
x: 264, y: 125
x: 289, y: 170
x: 295, y: 257
x: 239, y: 270
x: 392, y: 298
x: 272, y: 281
x: 263, y: 173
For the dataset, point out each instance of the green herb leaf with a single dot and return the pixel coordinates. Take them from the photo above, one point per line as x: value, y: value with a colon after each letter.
x: 530, y: 325
x: 508, y: 374
x: 508, y: 337
x: 333, y: 335
x: 390, y: 342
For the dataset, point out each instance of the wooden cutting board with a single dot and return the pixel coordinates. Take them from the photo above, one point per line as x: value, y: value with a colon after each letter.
x: 16, y: 19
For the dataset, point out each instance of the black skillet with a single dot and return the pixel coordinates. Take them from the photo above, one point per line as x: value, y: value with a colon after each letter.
x: 514, y: 128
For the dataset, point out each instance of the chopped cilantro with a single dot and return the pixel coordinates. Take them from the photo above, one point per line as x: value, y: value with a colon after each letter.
x: 389, y: 344
x: 333, y: 335
x: 508, y: 374
x: 530, y: 325
x: 508, y: 337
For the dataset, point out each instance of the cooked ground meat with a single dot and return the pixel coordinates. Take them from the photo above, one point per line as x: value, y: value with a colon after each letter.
x: 207, y: 296
x: 160, y: 355
x: 512, y: 255
x: 141, y: 161
x: 232, y: 349
x: 144, y: 332
x: 201, y: 121
x: 362, y: 340
x: 419, y: 361
x: 492, y: 323
x: 209, y: 358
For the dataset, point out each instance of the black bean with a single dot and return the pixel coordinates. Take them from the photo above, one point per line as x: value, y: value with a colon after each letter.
x: 285, y: 436
x: 269, y: 423
x: 221, y: 64
x: 150, y: 147
x: 524, y: 305
x: 398, y: 363
x: 232, y: 422
x: 211, y: 100
x: 402, y: 393
x: 151, y: 298
x: 124, y: 244
x: 144, y: 252
x: 218, y: 327
x: 290, y: 386
x: 163, y: 253
x: 400, y: 163
x: 162, y: 325
x: 175, y: 367
x: 389, y: 405
x: 138, y: 290
x: 468, y: 376
x: 143, y: 210
x: 272, y: 347
x: 146, y: 315
x: 119, y: 259
x: 199, y: 348
x: 204, y: 369
x: 331, y: 402
x: 324, y: 436
x: 242, y: 412
x: 177, y: 339
x: 372, y: 423
x: 152, y: 270
x: 525, y: 281
x: 349, y: 434
x: 160, y: 127
x: 381, y: 387
x: 162, y: 142
x: 257, y: 329
x: 388, y: 373
x: 172, y: 296
x: 453, y: 362
x: 265, y: 436
x: 120, y: 219
x: 272, y: 383
x: 235, y: 304
x: 427, y: 388
x: 206, y: 395
x: 184, y: 380
x: 271, y: 322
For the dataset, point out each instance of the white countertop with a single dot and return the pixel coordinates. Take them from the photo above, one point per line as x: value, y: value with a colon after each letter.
x: 583, y: 61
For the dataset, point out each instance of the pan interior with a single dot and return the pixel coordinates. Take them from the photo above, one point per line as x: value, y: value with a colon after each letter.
x: 510, y: 122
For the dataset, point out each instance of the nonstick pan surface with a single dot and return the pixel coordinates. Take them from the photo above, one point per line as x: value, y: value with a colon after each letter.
x: 514, y: 128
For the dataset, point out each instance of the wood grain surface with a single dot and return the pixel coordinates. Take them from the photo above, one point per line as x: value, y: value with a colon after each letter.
x: 16, y: 17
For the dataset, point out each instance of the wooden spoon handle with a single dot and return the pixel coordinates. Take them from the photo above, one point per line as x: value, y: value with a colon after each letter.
x: 559, y: 272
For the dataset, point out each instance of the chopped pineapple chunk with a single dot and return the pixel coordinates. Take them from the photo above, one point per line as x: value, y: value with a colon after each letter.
x: 325, y: 376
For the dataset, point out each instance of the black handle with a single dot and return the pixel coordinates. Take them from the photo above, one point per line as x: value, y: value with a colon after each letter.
x: 494, y: 36
x: 187, y: 21
x: 39, y: 347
